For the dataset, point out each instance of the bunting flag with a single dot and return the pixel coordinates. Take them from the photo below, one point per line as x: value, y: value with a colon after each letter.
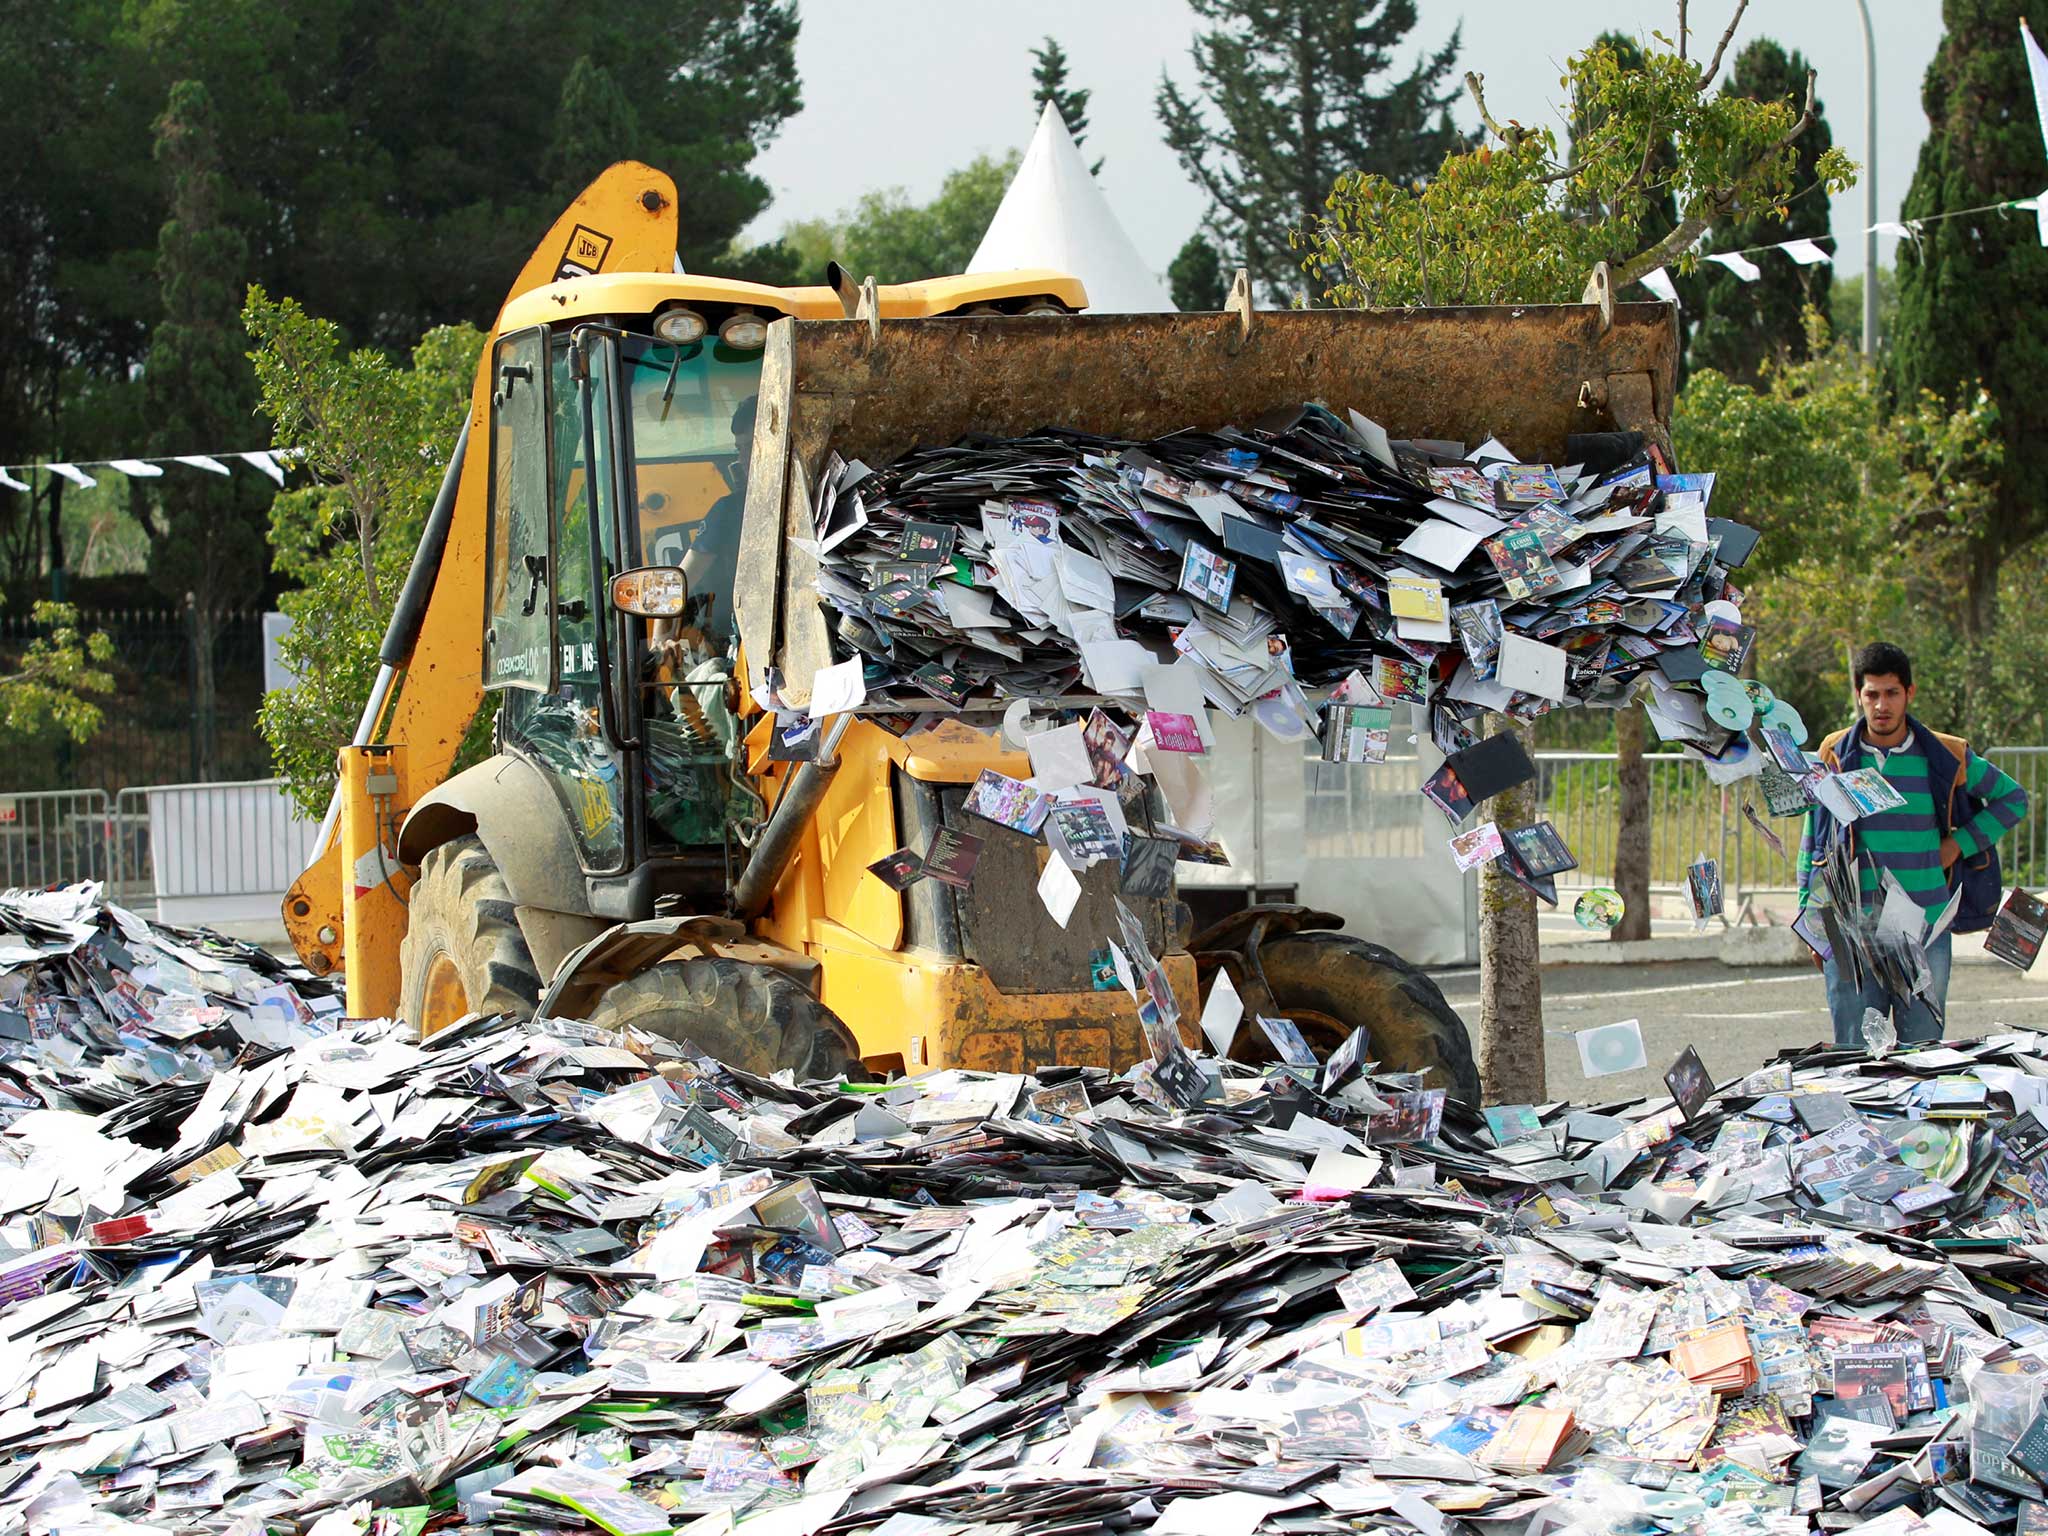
x: 271, y: 462
x: 1740, y: 265
x: 1805, y: 252
x: 1659, y: 282
x: 2037, y: 66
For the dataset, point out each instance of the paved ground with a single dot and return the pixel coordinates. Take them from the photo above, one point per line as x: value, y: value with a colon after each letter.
x: 1738, y: 1018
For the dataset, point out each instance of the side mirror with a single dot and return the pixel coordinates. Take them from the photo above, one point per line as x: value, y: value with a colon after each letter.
x: 651, y: 591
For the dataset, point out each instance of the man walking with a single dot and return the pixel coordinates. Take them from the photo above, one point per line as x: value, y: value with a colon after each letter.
x: 1957, y: 807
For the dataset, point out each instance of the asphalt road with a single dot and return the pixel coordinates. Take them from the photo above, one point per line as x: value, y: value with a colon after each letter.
x: 1737, y: 1018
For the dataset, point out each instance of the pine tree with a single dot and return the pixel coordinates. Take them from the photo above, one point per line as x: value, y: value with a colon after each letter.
x: 1972, y: 290
x: 1049, y: 79
x: 1293, y: 93
x: 205, y: 531
x: 1738, y: 325
x: 1196, y: 276
x: 595, y: 126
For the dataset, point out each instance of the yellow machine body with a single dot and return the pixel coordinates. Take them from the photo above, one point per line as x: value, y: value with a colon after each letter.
x: 871, y: 374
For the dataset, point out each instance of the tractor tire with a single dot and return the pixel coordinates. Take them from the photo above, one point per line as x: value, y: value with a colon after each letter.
x: 462, y: 952
x: 1332, y: 983
x: 748, y: 1016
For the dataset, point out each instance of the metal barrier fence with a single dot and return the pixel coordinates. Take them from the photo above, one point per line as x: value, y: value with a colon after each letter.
x: 162, y: 848
x: 2025, y: 850
x: 54, y: 837
x: 1689, y: 816
x: 167, y: 843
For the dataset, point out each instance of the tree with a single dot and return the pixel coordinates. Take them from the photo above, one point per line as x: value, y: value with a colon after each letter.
x: 1845, y: 308
x: 1196, y: 276
x: 205, y: 530
x: 391, y: 165
x: 1513, y: 222
x: 51, y: 685
x: 1838, y: 480
x: 888, y: 237
x: 1292, y: 94
x: 1049, y: 79
x: 374, y: 440
x: 1737, y: 325
x: 1971, y: 289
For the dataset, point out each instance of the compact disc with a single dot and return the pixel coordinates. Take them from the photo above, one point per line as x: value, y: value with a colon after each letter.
x: 1786, y: 718
x: 1924, y: 1146
x: 1599, y: 910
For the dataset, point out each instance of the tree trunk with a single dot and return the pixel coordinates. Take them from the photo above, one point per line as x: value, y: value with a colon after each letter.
x: 203, y: 627
x: 1980, y: 614
x: 57, y: 572
x: 1632, y: 831
x: 1511, y: 1068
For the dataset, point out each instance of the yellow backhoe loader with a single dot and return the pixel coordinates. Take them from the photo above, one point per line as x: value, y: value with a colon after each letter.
x: 612, y: 556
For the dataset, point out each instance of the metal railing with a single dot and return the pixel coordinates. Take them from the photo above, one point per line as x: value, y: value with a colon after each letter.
x: 1689, y: 815
x: 2025, y: 849
x: 1580, y: 792
x: 157, y: 844
x: 54, y: 837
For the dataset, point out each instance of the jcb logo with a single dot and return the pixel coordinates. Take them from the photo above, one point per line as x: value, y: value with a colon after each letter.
x: 584, y: 254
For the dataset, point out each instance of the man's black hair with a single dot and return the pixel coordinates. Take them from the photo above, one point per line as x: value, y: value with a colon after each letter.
x: 1883, y: 659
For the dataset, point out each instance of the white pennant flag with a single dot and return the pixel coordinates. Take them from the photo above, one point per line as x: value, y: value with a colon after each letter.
x: 1740, y: 265
x: 1805, y: 252
x: 264, y: 462
x: 11, y: 483
x: 204, y: 461
x: 75, y: 475
x: 1659, y: 282
x: 140, y: 468
x: 1893, y: 227
x: 2037, y: 66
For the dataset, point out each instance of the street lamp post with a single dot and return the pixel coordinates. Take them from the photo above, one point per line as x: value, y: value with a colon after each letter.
x: 1869, y: 182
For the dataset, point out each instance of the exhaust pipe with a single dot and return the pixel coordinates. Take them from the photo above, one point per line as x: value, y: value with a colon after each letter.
x: 783, y: 835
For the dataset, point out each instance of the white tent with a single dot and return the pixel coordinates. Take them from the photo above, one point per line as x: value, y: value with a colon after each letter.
x: 1054, y: 215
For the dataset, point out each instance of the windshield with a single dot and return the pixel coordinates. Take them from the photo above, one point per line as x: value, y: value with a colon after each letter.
x: 691, y: 423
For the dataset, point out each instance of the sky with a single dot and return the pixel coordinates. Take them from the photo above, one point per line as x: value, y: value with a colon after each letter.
x: 899, y: 92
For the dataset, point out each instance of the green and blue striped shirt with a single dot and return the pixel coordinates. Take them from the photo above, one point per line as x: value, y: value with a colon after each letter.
x: 1907, y: 838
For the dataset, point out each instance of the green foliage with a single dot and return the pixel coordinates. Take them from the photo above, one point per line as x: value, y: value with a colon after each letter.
x: 1512, y: 222
x: 51, y: 685
x: 1196, y: 276
x: 1972, y: 290
x: 1049, y: 81
x: 1866, y: 515
x: 1737, y: 325
x: 894, y: 240
x: 391, y: 166
x: 1845, y: 308
x: 374, y: 440
x: 205, y: 531
x: 1292, y: 94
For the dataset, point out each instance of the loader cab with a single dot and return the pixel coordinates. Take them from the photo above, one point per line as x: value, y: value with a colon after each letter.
x: 620, y: 436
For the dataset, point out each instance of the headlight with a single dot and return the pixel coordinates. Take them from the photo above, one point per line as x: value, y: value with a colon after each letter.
x: 680, y: 326
x: 745, y: 331
x: 651, y: 591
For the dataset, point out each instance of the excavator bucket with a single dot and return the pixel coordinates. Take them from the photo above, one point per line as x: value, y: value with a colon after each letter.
x: 984, y: 978
x: 873, y: 389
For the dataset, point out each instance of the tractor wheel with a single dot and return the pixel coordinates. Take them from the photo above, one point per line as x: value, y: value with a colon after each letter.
x: 1332, y: 983
x: 748, y: 1016
x: 462, y: 952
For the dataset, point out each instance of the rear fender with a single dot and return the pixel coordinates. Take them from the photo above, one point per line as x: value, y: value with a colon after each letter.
x: 508, y: 803
x: 626, y: 949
